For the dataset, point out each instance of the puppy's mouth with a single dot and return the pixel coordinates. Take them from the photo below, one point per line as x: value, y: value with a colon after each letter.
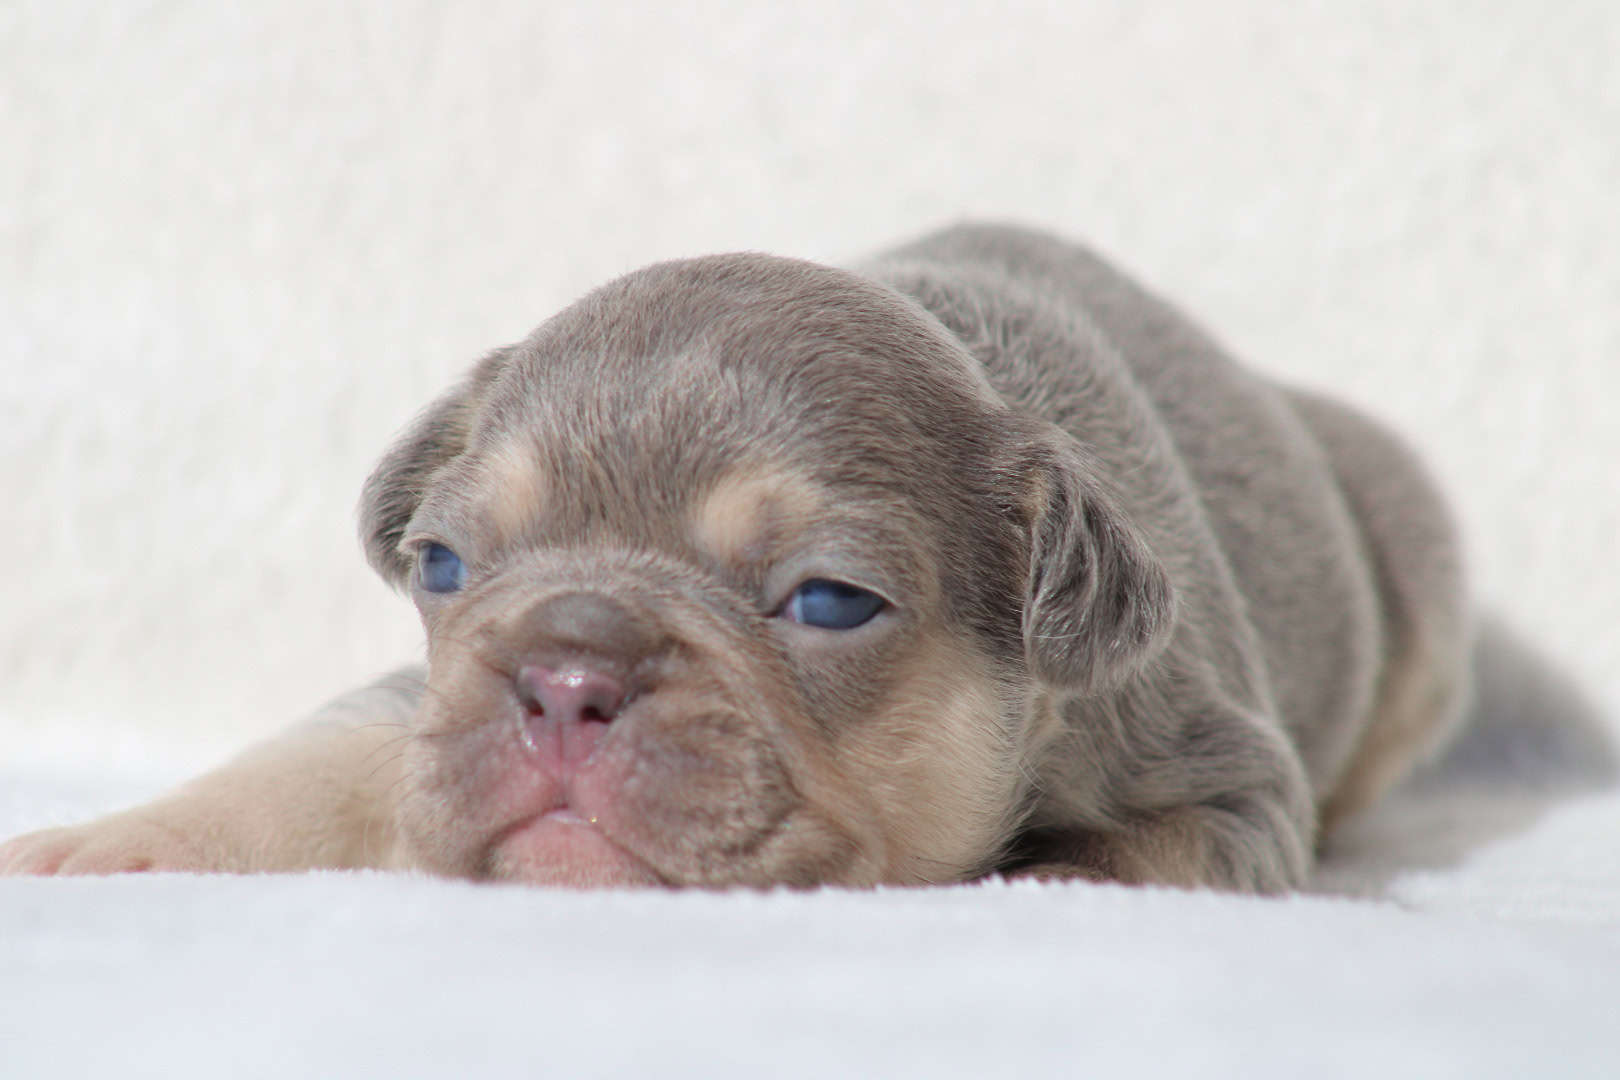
x: 677, y: 789
x: 565, y: 833
x: 564, y: 846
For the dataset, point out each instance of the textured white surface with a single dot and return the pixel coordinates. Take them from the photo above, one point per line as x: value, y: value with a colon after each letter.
x: 1501, y: 960
x: 239, y: 244
x: 377, y: 977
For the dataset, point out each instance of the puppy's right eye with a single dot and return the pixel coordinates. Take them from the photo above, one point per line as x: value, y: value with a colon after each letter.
x: 439, y: 570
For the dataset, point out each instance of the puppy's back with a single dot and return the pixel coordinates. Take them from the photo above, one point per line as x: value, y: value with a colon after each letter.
x: 1300, y: 497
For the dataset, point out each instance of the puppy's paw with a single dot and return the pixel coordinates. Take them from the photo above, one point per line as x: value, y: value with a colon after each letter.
x: 1248, y: 846
x: 120, y: 844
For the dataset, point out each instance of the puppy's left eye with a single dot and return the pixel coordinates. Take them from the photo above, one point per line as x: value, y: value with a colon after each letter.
x: 439, y: 569
x: 832, y: 605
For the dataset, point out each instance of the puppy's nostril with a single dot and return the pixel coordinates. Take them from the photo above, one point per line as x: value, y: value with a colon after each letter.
x: 569, y: 694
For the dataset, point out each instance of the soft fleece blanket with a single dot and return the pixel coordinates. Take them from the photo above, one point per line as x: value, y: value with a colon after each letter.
x: 1483, y: 941
x: 242, y: 242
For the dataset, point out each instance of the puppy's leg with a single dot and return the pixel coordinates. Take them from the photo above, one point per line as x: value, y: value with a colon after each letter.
x: 318, y: 796
x: 1222, y: 804
x: 1413, y: 545
x: 1191, y: 847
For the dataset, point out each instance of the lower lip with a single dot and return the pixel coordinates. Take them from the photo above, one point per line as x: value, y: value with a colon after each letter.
x: 561, y: 847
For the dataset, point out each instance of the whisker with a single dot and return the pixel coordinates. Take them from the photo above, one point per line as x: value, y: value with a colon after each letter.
x: 444, y: 733
x: 391, y: 743
x: 386, y: 799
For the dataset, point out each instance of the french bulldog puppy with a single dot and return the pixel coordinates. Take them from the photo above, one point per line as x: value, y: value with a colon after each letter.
x: 745, y: 571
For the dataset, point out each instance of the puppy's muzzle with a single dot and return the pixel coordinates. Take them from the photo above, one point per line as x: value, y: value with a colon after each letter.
x: 582, y: 658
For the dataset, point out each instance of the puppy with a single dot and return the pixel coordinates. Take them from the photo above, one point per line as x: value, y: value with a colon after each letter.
x: 747, y: 571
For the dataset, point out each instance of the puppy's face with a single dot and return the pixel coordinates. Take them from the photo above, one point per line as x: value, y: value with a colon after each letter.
x: 738, y: 572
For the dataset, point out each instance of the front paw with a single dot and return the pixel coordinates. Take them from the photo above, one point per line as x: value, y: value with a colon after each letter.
x: 120, y: 844
x: 1250, y: 847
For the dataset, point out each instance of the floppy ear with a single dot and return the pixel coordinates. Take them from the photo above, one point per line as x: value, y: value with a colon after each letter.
x: 395, y: 487
x: 1098, y: 605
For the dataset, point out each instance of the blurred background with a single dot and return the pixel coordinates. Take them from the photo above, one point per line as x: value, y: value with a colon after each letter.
x: 242, y: 244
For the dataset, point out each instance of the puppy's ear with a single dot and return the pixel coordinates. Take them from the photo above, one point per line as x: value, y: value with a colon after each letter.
x: 1098, y: 605
x: 396, y: 486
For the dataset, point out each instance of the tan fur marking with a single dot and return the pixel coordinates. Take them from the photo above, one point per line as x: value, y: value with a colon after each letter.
x: 515, y: 489
x: 940, y: 766
x: 1418, y: 705
x: 745, y: 515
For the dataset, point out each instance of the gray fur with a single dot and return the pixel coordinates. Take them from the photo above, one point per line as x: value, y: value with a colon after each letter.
x: 1167, y: 470
x: 1153, y: 618
x: 1312, y: 556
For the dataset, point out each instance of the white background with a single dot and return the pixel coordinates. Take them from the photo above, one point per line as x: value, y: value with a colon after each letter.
x: 243, y: 243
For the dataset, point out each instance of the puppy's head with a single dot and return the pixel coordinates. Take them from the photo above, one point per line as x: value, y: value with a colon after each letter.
x: 738, y: 571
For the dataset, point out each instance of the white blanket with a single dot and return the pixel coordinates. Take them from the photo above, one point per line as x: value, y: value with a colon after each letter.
x: 1493, y: 958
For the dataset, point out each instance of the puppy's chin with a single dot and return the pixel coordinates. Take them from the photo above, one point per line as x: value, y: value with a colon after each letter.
x: 565, y: 850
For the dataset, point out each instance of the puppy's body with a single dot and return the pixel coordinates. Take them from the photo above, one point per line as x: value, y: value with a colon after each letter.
x: 1140, y: 614
x: 1316, y: 557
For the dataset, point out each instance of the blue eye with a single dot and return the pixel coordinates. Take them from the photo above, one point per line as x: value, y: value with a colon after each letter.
x: 439, y: 569
x: 832, y: 605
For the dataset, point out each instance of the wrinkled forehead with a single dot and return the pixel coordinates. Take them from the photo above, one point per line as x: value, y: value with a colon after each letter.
x: 738, y: 467
x: 729, y: 397
x: 661, y: 383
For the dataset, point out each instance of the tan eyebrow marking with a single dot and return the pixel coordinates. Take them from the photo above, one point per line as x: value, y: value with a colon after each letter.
x: 514, y: 488
x: 752, y: 509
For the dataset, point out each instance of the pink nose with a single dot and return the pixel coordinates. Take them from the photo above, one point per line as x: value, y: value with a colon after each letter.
x: 567, y: 709
x: 569, y: 694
